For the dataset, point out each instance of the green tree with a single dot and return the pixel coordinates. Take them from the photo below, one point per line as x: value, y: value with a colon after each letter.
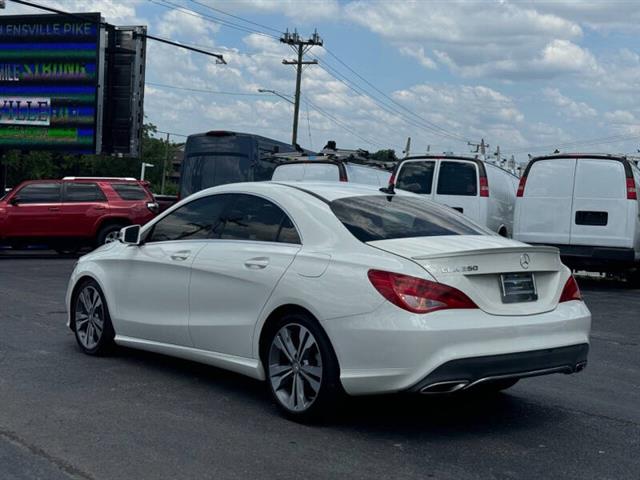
x: 34, y: 165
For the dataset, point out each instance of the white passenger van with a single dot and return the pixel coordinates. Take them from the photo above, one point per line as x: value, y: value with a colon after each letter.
x: 586, y: 205
x: 480, y: 190
x: 330, y: 171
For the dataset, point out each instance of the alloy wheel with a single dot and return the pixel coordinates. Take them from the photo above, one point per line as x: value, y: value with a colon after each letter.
x: 112, y: 236
x: 295, y: 367
x: 89, y: 317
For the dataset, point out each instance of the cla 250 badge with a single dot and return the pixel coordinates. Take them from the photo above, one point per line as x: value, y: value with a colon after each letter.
x: 466, y: 268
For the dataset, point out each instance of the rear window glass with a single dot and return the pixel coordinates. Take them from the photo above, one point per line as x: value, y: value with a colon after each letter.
x: 600, y: 179
x: 379, y: 217
x: 457, y: 178
x: 416, y: 177
x: 551, y: 178
x: 130, y: 191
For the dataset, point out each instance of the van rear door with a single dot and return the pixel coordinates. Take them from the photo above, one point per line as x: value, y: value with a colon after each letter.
x: 600, y: 207
x: 457, y: 186
x: 544, y: 212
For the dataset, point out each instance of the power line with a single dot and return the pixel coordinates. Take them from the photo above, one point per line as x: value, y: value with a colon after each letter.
x: 202, y: 90
x: 585, y: 142
x: 343, y: 125
x: 391, y: 99
x: 279, y: 32
x: 210, y: 18
x: 390, y: 110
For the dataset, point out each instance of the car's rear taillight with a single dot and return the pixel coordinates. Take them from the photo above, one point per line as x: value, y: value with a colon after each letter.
x: 484, y: 187
x: 416, y: 294
x: 523, y: 181
x: 632, y: 193
x: 571, y: 291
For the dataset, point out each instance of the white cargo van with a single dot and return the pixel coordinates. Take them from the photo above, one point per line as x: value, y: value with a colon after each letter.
x: 330, y: 171
x: 586, y: 205
x: 482, y: 191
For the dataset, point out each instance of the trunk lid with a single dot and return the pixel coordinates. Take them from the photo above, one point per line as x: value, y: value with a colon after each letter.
x: 475, y: 265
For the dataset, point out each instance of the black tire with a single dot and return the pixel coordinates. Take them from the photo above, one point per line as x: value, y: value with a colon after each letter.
x: 330, y: 389
x: 106, y: 231
x: 104, y: 342
x: 633, y: 278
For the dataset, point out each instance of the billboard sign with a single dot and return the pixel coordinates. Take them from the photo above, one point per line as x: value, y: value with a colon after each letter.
x: 50, y: 69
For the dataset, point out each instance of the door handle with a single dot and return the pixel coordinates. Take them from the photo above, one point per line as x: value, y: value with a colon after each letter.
x: 54, y: 209
x: 257, y: 263
x: 180, y: 256
x: 99, y: 207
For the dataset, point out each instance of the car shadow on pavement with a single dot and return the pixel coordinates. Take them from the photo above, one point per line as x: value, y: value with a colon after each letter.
x: 404, y: 414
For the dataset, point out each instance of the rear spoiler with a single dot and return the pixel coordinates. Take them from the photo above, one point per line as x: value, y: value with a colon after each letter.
x: 522, y: 249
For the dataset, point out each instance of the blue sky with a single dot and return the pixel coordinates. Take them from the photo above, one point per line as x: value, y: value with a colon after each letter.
x: 525, y: 75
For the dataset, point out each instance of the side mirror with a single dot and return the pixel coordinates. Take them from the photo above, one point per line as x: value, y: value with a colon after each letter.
x: 130, y: 235
x: 14, y: 201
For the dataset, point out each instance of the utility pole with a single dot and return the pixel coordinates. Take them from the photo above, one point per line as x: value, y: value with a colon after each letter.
x: 481, y: 148
x: 300, y: 46
x: 164, y: 165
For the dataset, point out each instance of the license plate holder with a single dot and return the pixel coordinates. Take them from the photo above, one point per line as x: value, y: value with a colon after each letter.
x: 518, y: 287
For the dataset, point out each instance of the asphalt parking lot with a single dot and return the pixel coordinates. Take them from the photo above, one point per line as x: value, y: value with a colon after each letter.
x: 138, y: 415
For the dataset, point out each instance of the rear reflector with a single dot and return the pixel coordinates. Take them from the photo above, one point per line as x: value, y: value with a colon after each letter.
x: 523, y: 181
x: 571, y: 291
x: 632, y: 193
x: 417, y: 295
x: 484, y: 187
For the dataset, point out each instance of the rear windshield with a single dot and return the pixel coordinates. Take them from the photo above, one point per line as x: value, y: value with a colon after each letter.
x: 307, y: 172
x: 130, y: 191
x: 379, y: 217
x: 457, y: 178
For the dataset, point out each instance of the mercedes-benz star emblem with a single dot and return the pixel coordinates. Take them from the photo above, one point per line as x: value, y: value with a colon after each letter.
x: 525, y: 261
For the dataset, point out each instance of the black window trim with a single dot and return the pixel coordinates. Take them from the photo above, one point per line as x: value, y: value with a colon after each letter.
x: 64, y: 199
x: 149, y: 232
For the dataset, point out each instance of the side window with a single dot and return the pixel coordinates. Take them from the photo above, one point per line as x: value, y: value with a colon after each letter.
x: 248, y: 217
x: 130, y: 191
x: 416, y: 177
x: 196, y: 220
x: 40, y: 193
x: 457, y: 178
x: 82, y: 192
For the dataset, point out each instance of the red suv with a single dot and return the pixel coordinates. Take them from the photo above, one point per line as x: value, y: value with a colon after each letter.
x: 66, y: 214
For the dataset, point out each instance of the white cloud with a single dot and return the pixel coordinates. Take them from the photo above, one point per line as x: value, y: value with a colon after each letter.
x: 568, y: 107
x: 418, y: 54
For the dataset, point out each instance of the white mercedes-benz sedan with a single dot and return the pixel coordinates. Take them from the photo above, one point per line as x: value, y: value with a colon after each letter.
x: 321, y: 289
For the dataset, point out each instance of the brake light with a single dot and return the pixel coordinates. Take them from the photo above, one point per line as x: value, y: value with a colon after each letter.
x: 523, y: 181
x: 484, y: 187
x: 343, y: 175
x: 632, y: 193
x: 417, y: 295
x: 571, y: 291
x: 392, y: 179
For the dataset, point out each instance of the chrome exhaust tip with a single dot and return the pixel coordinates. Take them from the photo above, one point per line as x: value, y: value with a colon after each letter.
x: 444, y: 387
x: 580, y: 366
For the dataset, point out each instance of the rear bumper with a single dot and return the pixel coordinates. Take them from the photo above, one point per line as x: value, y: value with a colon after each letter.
x: 577, y: 256
x: 467, y: 372
x: 390, y: 350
